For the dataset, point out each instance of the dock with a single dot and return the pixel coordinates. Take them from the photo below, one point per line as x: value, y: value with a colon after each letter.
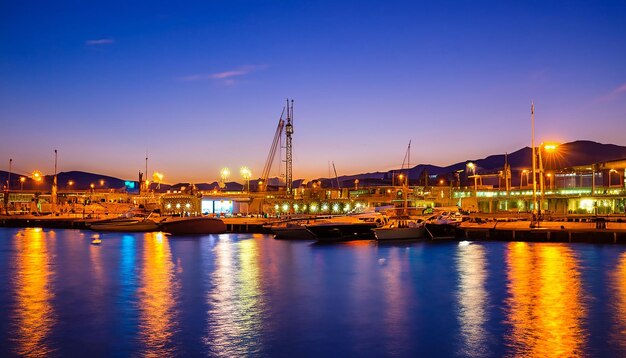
x: 547, y: 231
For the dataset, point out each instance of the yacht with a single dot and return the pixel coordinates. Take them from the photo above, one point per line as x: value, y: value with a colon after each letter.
x: 401, y: 228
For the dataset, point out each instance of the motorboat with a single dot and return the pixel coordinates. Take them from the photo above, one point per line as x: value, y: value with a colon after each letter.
x: 448, y: 218
x: 444, y: 225
x: 401, y: 228
x: 195, y: 225
x: 342, y: 231
x: 128, y: 222
x: 138, y: 225
x: 291, y: 230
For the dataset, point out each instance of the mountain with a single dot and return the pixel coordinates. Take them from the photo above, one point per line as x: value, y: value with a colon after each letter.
x: 578, y: 153
x: 80, y: 180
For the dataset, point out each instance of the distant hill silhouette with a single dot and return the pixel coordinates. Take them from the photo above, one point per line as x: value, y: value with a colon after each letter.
x: 578, y: 153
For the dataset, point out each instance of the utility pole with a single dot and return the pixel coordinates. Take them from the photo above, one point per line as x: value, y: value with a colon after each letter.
x: 532, y: 143
x: 9, y: 179
x: 54, y: 184
x: 289, y: 157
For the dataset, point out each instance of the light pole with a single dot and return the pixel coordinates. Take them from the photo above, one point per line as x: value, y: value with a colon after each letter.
x: 22, y: 180
x: 471, y: 166
x: 224, y: 174
x: 551, y: 181
x: 521, y: 180
x: 246, y: 174
x: 9, y: 178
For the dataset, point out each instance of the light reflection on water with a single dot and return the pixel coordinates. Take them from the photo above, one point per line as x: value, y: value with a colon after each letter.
x: 243, y: 295
x: 472, y: 296
x: 157, y: 297
x: 619, y: 305
x: 545, y: 308
x: 33, y: 316
x: 234, y: 317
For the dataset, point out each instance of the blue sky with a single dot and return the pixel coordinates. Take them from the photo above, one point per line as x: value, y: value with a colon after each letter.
x: 200, y: 86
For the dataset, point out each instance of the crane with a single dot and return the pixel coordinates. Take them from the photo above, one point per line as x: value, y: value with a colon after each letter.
x: 272, y: 153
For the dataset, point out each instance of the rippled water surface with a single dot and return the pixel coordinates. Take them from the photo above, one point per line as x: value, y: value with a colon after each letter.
x: 236, y: 295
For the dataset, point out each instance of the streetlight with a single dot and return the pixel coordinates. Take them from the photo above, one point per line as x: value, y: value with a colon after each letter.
x: 22, y: 180
x: 70, y: 183
x: 92, y: 186
x: 101, y: 182
x: 37, y: 176
x: 158, y: 178
x: 551, y: 182
x: 246, y: 174
x: 471, y: 166
x: 356, y: 184
x: 224, y: 174
x: 521, y: 181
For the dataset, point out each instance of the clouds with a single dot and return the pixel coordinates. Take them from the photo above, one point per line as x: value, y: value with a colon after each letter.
x: 225, y: 77
x: 616, y: 93
x: 99, y: 42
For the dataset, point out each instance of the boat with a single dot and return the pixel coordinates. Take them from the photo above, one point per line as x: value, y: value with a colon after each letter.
x: 95, y: 239
x: 401, y: 228
x: 291, y: 230
x: 342, y: 231
x: 444, y: 226
x: 137, y: 225
x: 195, y: 225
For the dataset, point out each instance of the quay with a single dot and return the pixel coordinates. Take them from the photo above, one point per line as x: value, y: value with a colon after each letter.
x: 610, y: 232
x: 233, y: 225
x: 547, y: 231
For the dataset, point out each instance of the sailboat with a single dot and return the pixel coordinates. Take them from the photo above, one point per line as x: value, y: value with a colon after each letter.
x: 402, y: 227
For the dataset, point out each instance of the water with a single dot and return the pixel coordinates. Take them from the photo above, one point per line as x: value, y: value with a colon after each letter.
x: 236, y: 295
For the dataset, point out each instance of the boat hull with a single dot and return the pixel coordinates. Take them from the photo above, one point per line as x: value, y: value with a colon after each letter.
x: 193, y: 226
x: 137, y: 226
x: 292, y: 233
x: 443, y: 231
x: 404, y: 233
x: 343, y: 231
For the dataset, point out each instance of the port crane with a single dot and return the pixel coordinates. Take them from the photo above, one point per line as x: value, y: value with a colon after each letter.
x: 285, y: 123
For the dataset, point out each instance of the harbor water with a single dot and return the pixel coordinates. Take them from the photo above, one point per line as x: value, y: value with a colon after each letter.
x: 250, y: 295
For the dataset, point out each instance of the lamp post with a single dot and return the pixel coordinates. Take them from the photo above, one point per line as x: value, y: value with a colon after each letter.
x: 22, y: 180
x: 9, y: 178
x: 521, y: 181
x: 224, y: 174
x: 551, y: 181
x: 471, y: 166
x: 246, y: 173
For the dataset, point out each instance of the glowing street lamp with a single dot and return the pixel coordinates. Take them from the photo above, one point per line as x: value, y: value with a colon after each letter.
x: 521, y: 181
x: 224, y: 174
x: 22, y: 180
x: 158, y: 178
x: 471, y: 166
x: 92, y: 186
x: 70, y: 183
x: 549, y: 175
x: 246, y: 173
x: 37, y: 176
x: 101, y: 182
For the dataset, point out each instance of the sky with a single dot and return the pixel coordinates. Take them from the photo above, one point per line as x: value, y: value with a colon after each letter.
x: 199, y: 86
